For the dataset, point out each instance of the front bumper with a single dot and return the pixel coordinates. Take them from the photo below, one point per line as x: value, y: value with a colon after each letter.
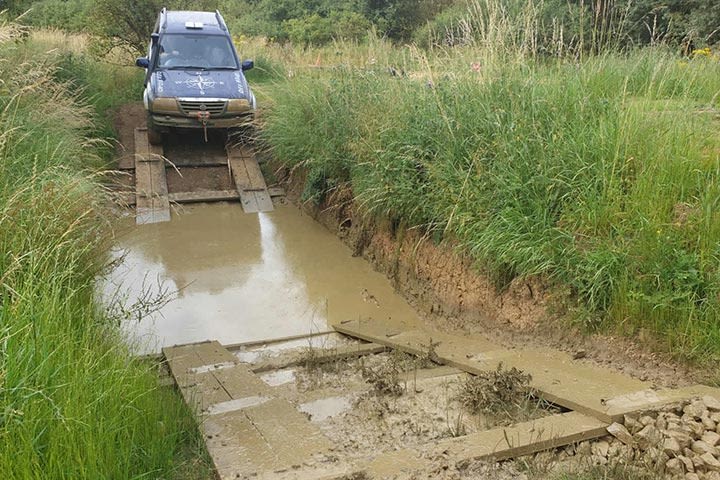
x: 174, y: 121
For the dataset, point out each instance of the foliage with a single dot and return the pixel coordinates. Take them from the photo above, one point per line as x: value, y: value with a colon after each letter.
x: 317, y: 30
x: 73, y: 404
x: 599, y: 174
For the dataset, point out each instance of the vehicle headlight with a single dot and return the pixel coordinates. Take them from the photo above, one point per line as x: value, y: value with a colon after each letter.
x: 165, y: 105
x: 238, y: 105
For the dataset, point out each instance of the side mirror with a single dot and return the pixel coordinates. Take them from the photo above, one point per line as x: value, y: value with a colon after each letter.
x: 142, y: 62
x: 247, y: 65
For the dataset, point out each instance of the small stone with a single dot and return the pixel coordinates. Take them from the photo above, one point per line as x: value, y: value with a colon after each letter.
x: 707, y: 423
x: 621, y: 433
x: 698, y: 462
x: 711, y: 438
x: 579, y: 354
x: 683, y: 439
x: 711, y: 403
x: 600, y: 448
x: 715, y: 417
x: 687, y: 463
x: 711, y: 476
x: 696, y: 429
x: 647, y: 420
x: 661, y: 423
x: 712, y: 464
x: 583, y: 448
x: 691, y: 476
x: 696, y: 409
x: 632, y: 425
x: 701, y: 447
x: 648, y: 437
x: 671, y: 447
x: 674, y: 467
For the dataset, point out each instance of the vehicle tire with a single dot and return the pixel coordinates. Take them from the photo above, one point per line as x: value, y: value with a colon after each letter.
x: 154, y: 136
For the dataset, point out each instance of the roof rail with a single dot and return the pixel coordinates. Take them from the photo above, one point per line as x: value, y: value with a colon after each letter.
x: 163, y: 18
x: 220, y: 20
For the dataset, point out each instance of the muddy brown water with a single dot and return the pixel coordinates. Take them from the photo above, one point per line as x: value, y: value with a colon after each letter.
x: 238, y: 277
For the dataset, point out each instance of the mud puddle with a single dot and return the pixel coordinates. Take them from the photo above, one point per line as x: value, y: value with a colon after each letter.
x: 362, y: 420
x: 236, y: 277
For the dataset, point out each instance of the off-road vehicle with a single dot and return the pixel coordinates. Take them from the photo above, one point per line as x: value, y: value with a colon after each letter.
x: 194, y: 76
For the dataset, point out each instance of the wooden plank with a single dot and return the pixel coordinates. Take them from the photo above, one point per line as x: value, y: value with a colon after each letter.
x: 247, y: 431
x: 496, y: 444
x: 204, y: 196
x: 151, y: 192
x: 249, y: 180
x: 288, y: 431
x: 271, y: 341
x: 184, y: 359
x: 242, y: 183
x: 213, y: 195
x: 555, y: 375
x: 652, y: 399
x: 275, y: 442
x: 276, y: 191
x: 322, y: 355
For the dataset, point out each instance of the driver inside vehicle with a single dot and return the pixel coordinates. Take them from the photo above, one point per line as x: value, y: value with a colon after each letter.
x: 199, y: 51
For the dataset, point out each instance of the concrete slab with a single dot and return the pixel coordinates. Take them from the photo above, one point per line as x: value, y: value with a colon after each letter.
x: 497, y: 444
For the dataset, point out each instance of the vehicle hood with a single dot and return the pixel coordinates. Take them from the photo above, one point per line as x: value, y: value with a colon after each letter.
x: 200, y: 83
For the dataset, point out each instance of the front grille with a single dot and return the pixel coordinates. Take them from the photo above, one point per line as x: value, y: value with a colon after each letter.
x: 192, y: 107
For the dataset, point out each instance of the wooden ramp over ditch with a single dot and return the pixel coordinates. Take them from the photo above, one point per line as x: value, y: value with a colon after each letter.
x: 594, y: 391
x: 249, y: 180
x: 151, y: 190
x: 249, y: 432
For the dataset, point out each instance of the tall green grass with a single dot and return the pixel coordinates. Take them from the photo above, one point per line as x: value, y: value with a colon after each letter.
x: 601, y: 175
x: 73, y: 403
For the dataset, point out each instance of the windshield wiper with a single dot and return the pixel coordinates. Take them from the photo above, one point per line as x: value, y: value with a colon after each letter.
x: 223, y: 68
x: 186, y: 67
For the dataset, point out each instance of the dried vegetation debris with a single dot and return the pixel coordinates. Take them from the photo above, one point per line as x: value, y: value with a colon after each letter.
x: 495, y: 392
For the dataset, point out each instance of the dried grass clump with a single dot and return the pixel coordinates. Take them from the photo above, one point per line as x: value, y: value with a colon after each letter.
x: 496, y: 391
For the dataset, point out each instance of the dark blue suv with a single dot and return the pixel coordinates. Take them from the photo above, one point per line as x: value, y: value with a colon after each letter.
x: 194, y: 76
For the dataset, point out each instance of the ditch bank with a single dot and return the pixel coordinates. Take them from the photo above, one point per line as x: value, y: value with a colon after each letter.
x: 449, y: 291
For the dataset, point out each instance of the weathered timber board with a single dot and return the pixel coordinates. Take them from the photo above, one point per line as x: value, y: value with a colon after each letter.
x: 247, y: 430
x: 497, y: 444
x: 204, y: 196
x: 151, y: 192
x: 651, y: 399
x: 249, y: 181
x: 555, y: 375
x: 321, y: 356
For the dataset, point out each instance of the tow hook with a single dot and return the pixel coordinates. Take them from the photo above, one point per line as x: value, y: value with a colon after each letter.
x: 203, y: 118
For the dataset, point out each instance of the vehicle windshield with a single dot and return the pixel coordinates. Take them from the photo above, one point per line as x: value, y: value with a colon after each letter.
x: 178, y: 51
